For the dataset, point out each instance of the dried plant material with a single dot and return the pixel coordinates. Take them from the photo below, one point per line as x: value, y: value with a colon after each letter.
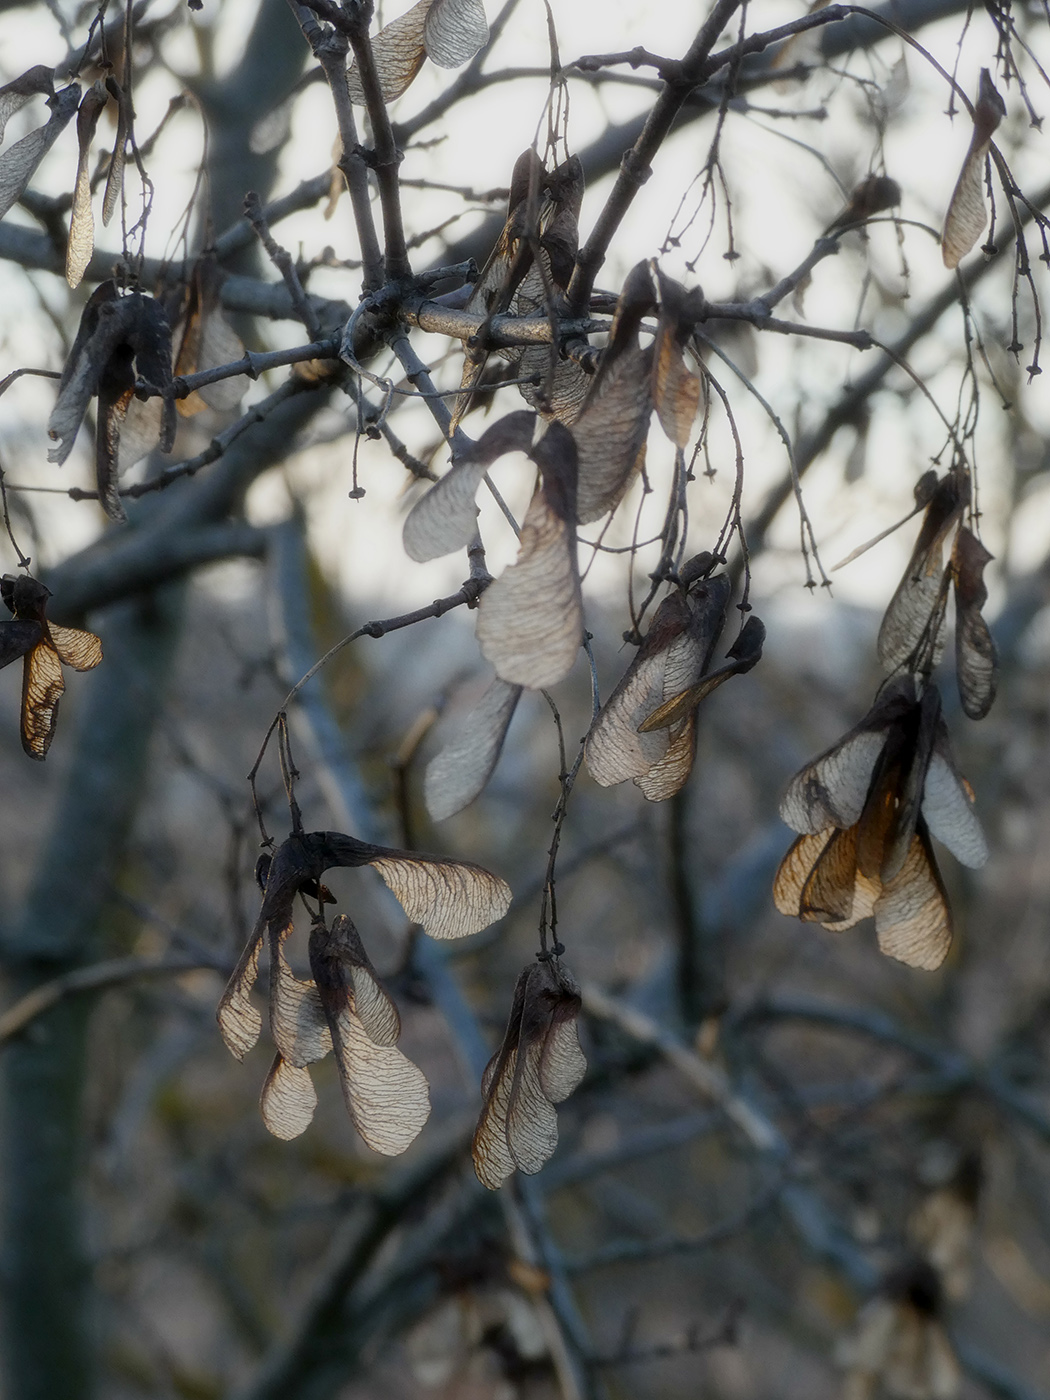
x: 530, y: 621
x: 454, y: 31
x: 899, y: 1347
x: 120, y: 339
x: 399, y: 53
x: 15, y: 640
x: 744, y: 655
x: 445, y: 519
x: 19, y: 162
x: 449, y: 898
x: 81, y: 221
x: 675, y: 652
x: 460, y: 772
x: 386, y: 1095
x: 967, y: 212
x: 874, y: 195
x: 614, y: 423
x: 675, y: 388
x: 345, y: 1007
x: 43, y: 658
x: 911, y: 634
x: 115, y: 177
x: 944, y: 1225
x: 976, y: 661
x: 538, y: 1065
x: 288, y: 1100
x: 206, y: 340
x: 36, y: 81
x: 866, y: 809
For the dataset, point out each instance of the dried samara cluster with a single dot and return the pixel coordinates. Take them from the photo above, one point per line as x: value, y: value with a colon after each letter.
x: 867, y: 808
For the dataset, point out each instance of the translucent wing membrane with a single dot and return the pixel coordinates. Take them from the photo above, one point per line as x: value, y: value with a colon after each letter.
x: 539, y: 1064
x: 454, y: 31
x: 456, y: 775
x: 912, y: 626
x: 81, y: 221
x: 976, y: 662
x: 399, y: 54
x: 451, y: 899
x: 967, y: 212
x: 530, y: 621
x: 19, y: 162
x: 239, y: 1021
x: 42, y: 687
x: 866, y: 809
x: 675, y: 388
x: 288, y: 1099
x: 744, y: 654
x: 15, y: 94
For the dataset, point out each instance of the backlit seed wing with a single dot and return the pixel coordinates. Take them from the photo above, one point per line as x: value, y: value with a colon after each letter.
x: 615, y: 749
x: 912, y: 751
x: 457, y: 774
x: 77, y: 648
x: 81, y: 221
x: 490, y: 1149
x: 967, y: 213
x: 288, y: 1100
x: 454, y: 31
x: 912, y: 918
x: 948, y: 809
x: 746, y: 652
x: 976, y: 662
x: 865, y: 894
x: 297, y: 1019
x: 19, y: 162
x: 373, y: 1007
x: 667, y: 777
x: 530, y: 621
x: 831, y: 790
x: 386, y: 1095
x: 827, y: 896
x: 96, y: 336
x: 115, y: 178
x: 917, y: 607
x: 15, y: 640
x: 562, y: 1064
x: 795, y: 869
x: 675, y: 388
x: 445, y: 519
x: 15, y: 94
x: 451, y: 899
x: 239, y: 1021
x: 532, y: 1123
x: 42, y: 687
x: 399, y: 55
x: 611, y: 431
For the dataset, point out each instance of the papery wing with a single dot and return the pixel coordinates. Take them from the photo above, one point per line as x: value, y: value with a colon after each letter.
x: 451, y: 899
x: 532, y: 1123
x: 968, y: 210
x: 611, y: 431
x: 399, y: 55
x: 386, y: 1095
x: 912, y: 918
x: 81, y: 221
x: 297, y: 1020
x: 454, y: 31
x: 668, y: 775
x: 373, y: 1007
x: 562, y: 1063
x: 239, y: 1021
x: 490, y: 1149
x: 976, y: 662
x: 615, y: 749
x: 42, y: 687
x: 917, y: 606
x: 530, y: 621
x: 15, y: 94
x: 77, y: 648
x: 827, y: 895
x: 221, y: 345
x: 140, y: 432
x: 445, y: 519
x: 795, y: 869
x: 19, y: 162
x: 948, y: 809
x: 457, y: 774
x: 288, y: 1100
x: 745, y: 652
x: 831, y: 790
